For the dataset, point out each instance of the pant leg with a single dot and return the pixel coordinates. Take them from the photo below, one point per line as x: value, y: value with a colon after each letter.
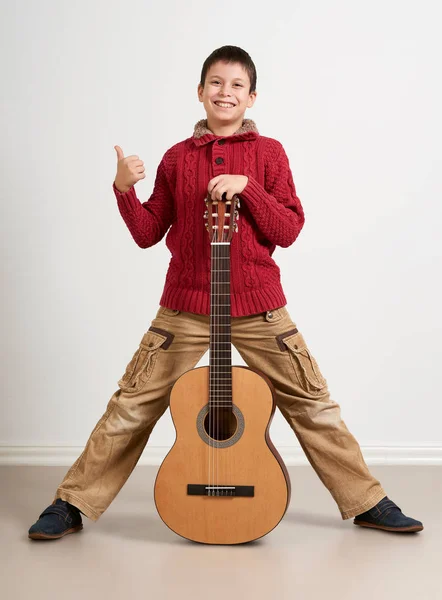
x: 271, y: 342
x: 174, y: 343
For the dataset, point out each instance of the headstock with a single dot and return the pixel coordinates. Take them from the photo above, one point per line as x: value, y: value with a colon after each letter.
x: 221, y: 224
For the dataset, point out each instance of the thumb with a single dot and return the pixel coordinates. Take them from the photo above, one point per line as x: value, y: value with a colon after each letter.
x: 120, y: 154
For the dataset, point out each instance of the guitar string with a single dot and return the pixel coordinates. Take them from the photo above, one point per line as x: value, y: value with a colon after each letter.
x: 213, y: 408
x: 215, y: 426
x: 212, y: 378
x: 215, y: 366
x: 218, y: 330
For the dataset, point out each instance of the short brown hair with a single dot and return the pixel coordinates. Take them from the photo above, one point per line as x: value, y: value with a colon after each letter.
x: 232, y: 54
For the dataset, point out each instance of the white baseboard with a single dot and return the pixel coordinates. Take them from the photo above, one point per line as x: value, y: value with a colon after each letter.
x: 153, y: 455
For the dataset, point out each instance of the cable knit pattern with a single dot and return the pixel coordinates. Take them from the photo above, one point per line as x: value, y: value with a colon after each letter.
x: 246, y: 233
x: 187, y: 247
x: 270, y: 215
x: 277, y: 209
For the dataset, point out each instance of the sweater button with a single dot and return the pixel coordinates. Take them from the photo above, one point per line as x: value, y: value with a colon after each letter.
x: 219, y: 160
x: 221, y: 142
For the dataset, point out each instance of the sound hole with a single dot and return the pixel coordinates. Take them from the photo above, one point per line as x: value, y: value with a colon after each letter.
x: 220, y: 423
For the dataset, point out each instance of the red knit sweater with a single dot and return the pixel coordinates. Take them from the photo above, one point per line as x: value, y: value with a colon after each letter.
x: 270, y: 215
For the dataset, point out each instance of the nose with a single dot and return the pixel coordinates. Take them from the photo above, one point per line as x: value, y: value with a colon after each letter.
x: 224, y: 92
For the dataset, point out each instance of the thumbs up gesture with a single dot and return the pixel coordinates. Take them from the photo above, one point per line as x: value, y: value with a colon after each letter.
x: 130, y: 169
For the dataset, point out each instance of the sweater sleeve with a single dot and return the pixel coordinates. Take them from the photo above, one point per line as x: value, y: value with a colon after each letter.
x: 148, y: 221
x: 275, y: 207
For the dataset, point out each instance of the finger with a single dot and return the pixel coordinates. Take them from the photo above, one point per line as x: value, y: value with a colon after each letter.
x: 212, y: 192
x: 120, y: 154
x: 217, y: 194
x: 213, y: 182
x: 218, y: 184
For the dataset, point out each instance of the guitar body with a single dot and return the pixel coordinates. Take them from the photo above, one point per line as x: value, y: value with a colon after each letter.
x: 241, y: 467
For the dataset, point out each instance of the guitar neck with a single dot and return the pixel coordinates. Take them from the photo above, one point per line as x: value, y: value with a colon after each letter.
x: 220, y: 352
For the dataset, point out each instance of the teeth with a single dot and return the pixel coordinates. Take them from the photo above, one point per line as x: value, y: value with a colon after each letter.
x: 224, y: 104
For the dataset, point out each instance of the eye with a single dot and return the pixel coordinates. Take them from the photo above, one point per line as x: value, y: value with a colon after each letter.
x: 216, y: 81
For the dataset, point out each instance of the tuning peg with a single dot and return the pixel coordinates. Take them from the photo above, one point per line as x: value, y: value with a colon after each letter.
x: 206, y: 214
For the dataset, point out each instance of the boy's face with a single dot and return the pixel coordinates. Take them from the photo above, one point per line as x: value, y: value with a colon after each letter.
x: 228, y: 83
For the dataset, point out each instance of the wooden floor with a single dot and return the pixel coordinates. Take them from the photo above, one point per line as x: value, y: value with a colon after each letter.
x: 129, y: 554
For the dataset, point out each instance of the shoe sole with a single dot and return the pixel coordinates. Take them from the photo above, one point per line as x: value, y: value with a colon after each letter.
x: 411, y: 529
x: 44, y: 536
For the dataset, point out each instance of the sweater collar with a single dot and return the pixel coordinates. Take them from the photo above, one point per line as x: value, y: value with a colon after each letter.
x: 203, y: 135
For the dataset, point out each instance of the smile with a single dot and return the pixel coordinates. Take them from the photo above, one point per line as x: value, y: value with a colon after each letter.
x: 224, y: 104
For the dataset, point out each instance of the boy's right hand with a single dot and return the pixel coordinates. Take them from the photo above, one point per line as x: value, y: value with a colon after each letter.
x: 130, y: 169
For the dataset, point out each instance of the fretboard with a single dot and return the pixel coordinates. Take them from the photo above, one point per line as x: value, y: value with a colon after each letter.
x: 220, y: 352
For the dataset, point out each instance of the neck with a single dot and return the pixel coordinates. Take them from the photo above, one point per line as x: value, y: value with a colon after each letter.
x: 224, y: 129
x: 220, y: 355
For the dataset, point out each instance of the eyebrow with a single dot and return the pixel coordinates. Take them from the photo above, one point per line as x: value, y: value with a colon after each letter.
x: 219, y: 77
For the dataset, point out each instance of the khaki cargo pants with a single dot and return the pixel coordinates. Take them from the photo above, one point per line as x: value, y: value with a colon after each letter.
x: 175, y: 342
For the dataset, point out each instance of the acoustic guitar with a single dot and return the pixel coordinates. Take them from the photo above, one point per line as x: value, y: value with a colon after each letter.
x: 223, y: 481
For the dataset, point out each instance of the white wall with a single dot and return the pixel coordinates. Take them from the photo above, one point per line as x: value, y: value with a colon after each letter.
x: 353, y: 92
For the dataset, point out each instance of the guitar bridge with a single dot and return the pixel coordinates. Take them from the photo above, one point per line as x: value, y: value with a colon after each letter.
x: 225, y: 491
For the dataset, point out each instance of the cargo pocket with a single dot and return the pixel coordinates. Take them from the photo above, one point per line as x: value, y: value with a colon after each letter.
x: 140, y: 368
x: 305, y: 367
x: 168, y: 312
x: 276, y: 314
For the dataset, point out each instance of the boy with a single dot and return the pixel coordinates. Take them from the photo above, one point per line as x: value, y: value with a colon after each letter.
x: 225, y: 154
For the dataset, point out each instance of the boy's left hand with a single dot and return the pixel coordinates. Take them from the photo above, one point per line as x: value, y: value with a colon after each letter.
x: 232, y: 184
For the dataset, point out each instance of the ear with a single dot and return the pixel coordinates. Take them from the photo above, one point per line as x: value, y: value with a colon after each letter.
x: 200, y: 90
x: 252, y: 98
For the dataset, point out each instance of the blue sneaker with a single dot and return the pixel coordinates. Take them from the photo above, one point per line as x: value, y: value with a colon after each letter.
x: 388, y: 516
x: 57, y: 520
